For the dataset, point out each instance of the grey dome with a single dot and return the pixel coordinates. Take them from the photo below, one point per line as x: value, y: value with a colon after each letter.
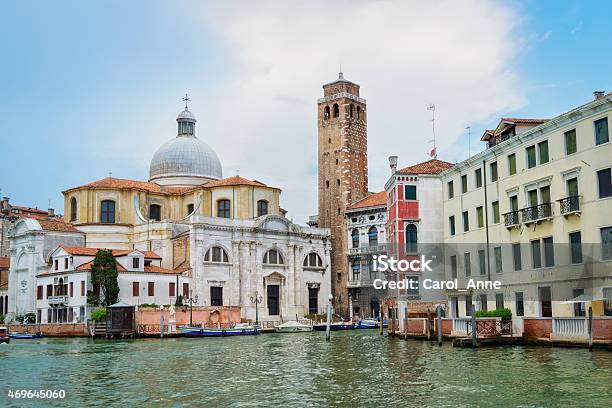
x: 185, y: 156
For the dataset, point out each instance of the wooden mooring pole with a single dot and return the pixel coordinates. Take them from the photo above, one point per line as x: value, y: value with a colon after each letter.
x: 590, y: 328
x: 406, y: 323
x: 439, y: 310
x: 382, y: 319
x: 474, y: 328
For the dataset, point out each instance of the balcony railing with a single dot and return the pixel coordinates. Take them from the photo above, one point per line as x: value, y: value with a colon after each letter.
x: 536, y: 213
x: 57, y: 300
x: 367, y: 249
x: 511, y: 218
x: 570, y: 205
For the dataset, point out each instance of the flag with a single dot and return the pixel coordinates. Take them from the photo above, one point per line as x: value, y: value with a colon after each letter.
x: 433, y: 152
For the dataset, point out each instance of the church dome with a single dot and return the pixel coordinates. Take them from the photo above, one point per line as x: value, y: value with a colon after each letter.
x: 185, y: 160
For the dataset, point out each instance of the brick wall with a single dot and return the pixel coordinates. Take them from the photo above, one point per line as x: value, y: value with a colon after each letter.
x: 536, y: 328
x: 208, y: 316
x: 51, y: 330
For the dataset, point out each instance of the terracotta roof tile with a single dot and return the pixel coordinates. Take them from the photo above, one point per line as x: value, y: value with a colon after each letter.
x: 111, y: 182
x: 433, y: 166
x: 87, y: 267
x: 84, y: 251
x: 56, y: 225
x: 235, y: 181
x: 5, y: 262
x: 525, y: 120
x: 373, y: 200
x: 159, y: 269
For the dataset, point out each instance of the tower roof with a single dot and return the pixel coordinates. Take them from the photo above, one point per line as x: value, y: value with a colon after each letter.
x: 340, y: 79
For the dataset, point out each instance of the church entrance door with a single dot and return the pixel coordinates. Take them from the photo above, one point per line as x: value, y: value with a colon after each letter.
x: 273, y: 300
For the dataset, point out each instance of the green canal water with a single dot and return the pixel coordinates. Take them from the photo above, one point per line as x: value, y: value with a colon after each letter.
x: 357, y: 368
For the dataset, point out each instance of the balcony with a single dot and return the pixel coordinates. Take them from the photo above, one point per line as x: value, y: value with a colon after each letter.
x: 570, y: 205
x: 368, y: 249
x: 511, y: 219
x: 536, y: 213
x: 57, y: 300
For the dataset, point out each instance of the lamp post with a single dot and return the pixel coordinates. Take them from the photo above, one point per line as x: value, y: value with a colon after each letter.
x: 191, y: 301
x: 257, y: 299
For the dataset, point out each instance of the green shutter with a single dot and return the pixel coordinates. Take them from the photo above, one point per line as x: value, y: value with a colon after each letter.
x: 531, y: 157
x: 512, y: 164
x: 495, y: 212
x: 543, y: 148
x: 480, y: 217
x: 601, y: 131
x: 570, y: 142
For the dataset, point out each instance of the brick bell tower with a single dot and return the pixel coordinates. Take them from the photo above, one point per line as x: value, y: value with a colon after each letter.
x: 343, y: 172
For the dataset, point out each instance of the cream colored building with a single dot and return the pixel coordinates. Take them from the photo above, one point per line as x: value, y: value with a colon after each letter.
x: 534, y: 211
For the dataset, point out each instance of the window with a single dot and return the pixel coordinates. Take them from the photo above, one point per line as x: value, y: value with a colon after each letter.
x: 73, y: 209
x: 411, y: 239
x: 549, y: 252
x: 601, y: 131
x: 216, y: 254
x: 511, y: 164
x: 604, y: 179
x: 358, y: 112
x: 326, y: 113
x: 531, y: 157
x: 493, y: 167
x: 71, y: 289
x: 313, y: 260
x: 495, y: 208
x: 56, y: 264
x: 65, y: 263
x: 82, y: 288
x: 49, y: 291
x: 451, y: 224
x: 410, y: 193
x: 451, y: 189
x: 337, y: 182
x: 497, y: 251
x: 499, y: 300
x: 466, y: 221
x: 579, y: 310
x: 478, y: 177
x: 107, y: 212
x: 336, y: 110
x: 135, y: 288
x: 135, y: 262
x: 575, y: 247
x: 190, y: 208
x: 520, y: 305
x: 482, y: 268
x: 453, y: 262
x: 327, y: 183
x: 216, y: 296
x: 467, y: 264
x: 185, y: 290
x: 536, y: 254
x: 514, y: 203
x: 155, y: 212
x: 262, y: 208
x: 151, y: 288
x: 223, y: 208
x: 483, y: 302
x: 516, y: 256
x: 570, y: 142
x: 543, y: 151
x: 607, y: 295
x: 606, y: 243
x: 464, y: 185
x: 273, y: 257
x: 373, y: 236
x: 355, y: 268
x: 355, y: 238
x: 39, y: 294
x: 171, y: 289
x: 351, y: 108
x: 468, y: 305
x: 480, y: 217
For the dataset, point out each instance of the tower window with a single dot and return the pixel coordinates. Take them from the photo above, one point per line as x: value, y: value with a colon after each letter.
x: 327, y: 183
x: 358, y: 112
x: 326, y: 113
x: 329, y: 140
x: 73, y: 209
x: 262, y: 208
x: 107, y: 212
x: 351, y: 108
x: 336, y: 161
x: 155, y: 212
x: 336, y: 110
x: 223, y: 208
x: 338, y: 181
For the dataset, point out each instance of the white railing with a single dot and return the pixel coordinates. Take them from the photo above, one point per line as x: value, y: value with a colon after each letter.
x: 570, y: 327
x: 461, y: 324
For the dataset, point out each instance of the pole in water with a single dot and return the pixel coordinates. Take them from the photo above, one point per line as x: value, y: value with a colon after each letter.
x: 382, y: 319
x: 329, y: 316
x: 590, y: 328
x: 474, y: 328
x: 439, y: 311
x: 161, y: 321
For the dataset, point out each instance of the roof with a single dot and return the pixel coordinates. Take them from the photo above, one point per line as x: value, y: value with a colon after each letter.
x: 87, y: 267
x: 5, y: 262
x: 373, y: 200
x: 120, y: 268
x: 84, y: 251
x: 235, y: 181
x: 111, y: 182
x: 56, y: 225
x: 525, y: 120
x: 433, y: 166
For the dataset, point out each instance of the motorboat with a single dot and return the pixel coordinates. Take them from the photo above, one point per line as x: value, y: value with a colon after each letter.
x: 4, y: 337
x: 292, y: 327
x: 241, y: 329
x: 21, y: 335
x: 334, y: 326
x: 369, y: 324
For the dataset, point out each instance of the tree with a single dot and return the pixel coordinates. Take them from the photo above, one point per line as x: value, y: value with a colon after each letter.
x: 104, y: 273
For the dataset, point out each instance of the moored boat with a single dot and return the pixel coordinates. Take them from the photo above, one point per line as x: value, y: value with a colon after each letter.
x: 237, y: 330
x: 4, y: 337
x: 369, y: 324
x: 292, y: 327
x: 20, y: 335
x: 334, y: 326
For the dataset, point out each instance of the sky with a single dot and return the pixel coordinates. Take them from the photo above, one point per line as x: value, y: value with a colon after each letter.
x: 89, y: 89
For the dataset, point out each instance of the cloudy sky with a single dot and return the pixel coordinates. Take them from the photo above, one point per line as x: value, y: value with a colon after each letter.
x: 91, y: 88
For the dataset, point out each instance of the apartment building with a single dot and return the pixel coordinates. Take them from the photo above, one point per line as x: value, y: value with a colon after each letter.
x: 534, y: 211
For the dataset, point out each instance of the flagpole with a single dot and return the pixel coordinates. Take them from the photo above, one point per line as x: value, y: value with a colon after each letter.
x: 432, y: 108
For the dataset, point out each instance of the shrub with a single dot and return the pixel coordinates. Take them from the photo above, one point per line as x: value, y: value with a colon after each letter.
x: 29, y: 318
x: 19, y: 318
x: 1, y: 319
x: 144, y: 305
x: 505, y: 314
x: 98, y: 315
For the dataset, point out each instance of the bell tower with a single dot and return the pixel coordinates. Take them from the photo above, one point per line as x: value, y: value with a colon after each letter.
x: 343, y: 171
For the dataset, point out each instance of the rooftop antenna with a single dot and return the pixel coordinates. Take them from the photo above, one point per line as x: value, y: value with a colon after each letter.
x: 186, y: 99
x: 110, y: 174
x: 432, y: 108
x: 340, y: 74
x: 469, y: 129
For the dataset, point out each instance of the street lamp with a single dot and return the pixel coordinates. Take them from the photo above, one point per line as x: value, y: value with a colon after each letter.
x: 191, y: 301
x: 257, y: 299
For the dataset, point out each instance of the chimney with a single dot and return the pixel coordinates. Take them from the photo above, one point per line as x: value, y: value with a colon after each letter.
x: 4, y: 205
x: 598, y: 95
x: 393, y: 164
x: 51, y: 213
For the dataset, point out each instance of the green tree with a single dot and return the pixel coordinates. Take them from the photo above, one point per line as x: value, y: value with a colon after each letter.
x: 104, y: 273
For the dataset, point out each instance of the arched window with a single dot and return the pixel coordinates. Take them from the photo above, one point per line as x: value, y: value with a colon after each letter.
x: 326, y: 113
x: 262, y: 208
x: 155, y: 212
x: 355, y: 238
x: 373, y: 236
x: 351, y: 107
x: 327, y: 183
x: 107, y: 212
x: 336, y: 110
x: 190, y: 208
x: 216, y: 254
x: 313, y: 260
x: 273, y: 257
x: 223, y: 208
x: 356, y: 268
x: 411, y: 238
x: 358, y: 112
x: 73, y: 209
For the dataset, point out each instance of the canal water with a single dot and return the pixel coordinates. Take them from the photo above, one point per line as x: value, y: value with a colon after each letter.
x: 357, y: 368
